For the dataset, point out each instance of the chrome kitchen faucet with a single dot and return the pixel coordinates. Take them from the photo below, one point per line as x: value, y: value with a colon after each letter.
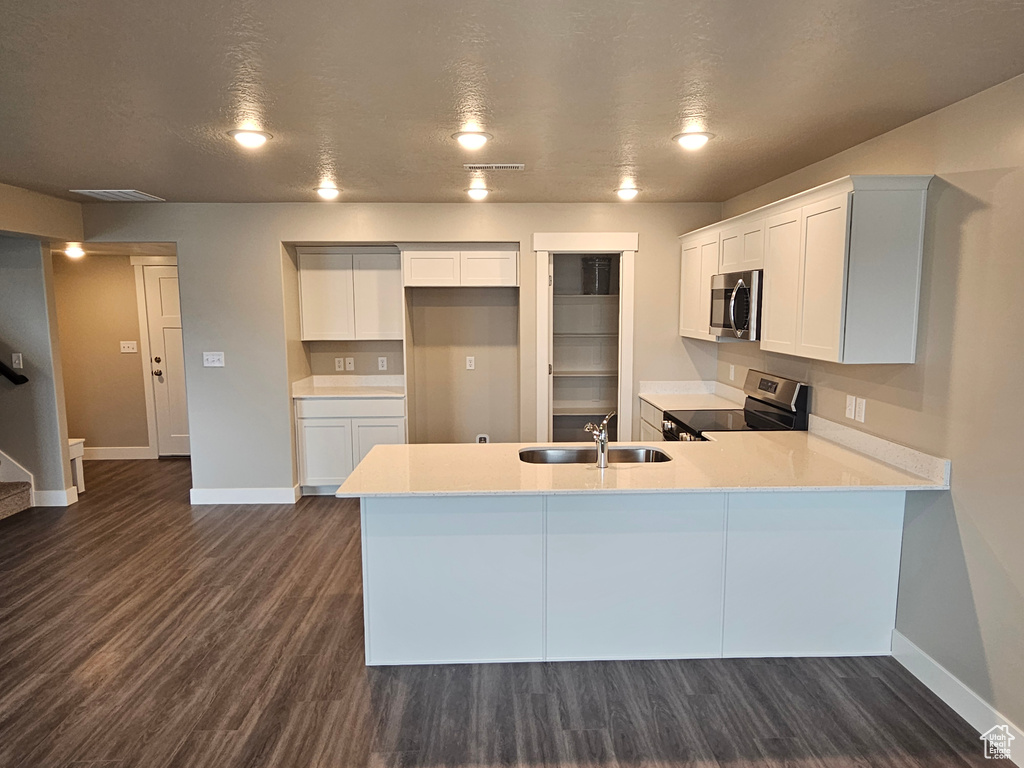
x: 600, y: 434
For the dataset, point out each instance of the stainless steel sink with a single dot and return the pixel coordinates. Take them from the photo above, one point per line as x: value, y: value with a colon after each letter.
x: 589, y: 455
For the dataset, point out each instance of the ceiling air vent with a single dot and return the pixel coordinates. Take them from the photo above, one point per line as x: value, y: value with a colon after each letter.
x: 494, y: 166
x: 119, y: 195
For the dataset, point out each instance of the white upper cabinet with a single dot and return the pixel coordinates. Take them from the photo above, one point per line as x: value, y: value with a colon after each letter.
x: 781, y: 282
x: 469, y: 268
x: 699, y: 263
x: 345, y: 295
x: 742, y: 245
x: 822, y: 279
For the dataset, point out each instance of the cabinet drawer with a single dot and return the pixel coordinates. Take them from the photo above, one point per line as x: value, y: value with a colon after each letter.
x: 346, y: 407
x: 649, y: 413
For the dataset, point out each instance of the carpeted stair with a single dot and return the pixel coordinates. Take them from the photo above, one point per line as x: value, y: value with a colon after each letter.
x: 14, y: 497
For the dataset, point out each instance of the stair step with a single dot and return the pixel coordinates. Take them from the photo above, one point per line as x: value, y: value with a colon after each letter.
x: 14, y: 497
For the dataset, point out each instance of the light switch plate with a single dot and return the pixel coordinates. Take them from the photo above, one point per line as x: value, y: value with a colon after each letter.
x: 861, y: 407
x: 339, y: 363
x: 350, y: 363
x: 127, y: 347
x: 17, y: 361
x: 382, y: 363
x: 851, y: 407
x: 470, y: 363
x: 213, y: 359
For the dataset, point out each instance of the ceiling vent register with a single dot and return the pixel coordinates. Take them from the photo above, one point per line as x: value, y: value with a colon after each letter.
x: 494, y: 166
x: 119, y: 195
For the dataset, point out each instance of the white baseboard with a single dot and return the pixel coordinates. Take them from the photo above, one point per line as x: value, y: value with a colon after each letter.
x: 127, y: 452
x: 244, y: 495
x: 319, y: 490
x: 981, y: 715
x: 63, y: 498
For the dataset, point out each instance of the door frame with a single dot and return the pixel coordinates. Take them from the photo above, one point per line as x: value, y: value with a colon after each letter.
x: 152, y: 451
x: 626, y: 245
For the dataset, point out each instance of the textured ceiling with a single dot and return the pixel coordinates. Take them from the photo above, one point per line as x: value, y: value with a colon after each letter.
x: 102, y: 94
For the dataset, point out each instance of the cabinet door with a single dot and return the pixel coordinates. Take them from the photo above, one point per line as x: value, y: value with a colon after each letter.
x: 325, y: 451
x: 635, y: 576
x: 742, y: 247
x: 367, y: 433
x: 377, y: 283
x: 826, y: 228
x: 432, y: 268
x: 781, y: 291
x: 326, y: 306
x: 699, y: 262
x: 649, y: 433
x: 489, y: 268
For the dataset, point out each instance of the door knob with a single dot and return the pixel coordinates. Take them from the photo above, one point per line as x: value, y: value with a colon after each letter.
x: 158, y: 372
x: 156, y: 359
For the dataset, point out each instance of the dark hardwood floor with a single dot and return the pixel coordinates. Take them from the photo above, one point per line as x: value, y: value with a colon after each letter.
x: 136, y: 630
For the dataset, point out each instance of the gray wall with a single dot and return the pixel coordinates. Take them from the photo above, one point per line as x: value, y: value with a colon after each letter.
x: 104, y: 389
x: 33, y: 431
x: 232, y: 268
x: 962, y: 585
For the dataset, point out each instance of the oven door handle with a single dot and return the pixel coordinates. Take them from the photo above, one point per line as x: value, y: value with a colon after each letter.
x: 732, y: 307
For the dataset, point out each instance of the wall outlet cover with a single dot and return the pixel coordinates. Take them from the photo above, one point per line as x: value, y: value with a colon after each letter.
x: 382, y: 363
x: 861, y: 407
x: 350, y: 363
x: 470, y: 363
x: 483, y: 438
x: 17, y: 361
x: 128, y: 347
x: 851, y: 407
x: 213, y: 359
x: 339, y: 363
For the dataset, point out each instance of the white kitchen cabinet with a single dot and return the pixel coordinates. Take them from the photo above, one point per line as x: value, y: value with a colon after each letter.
x: 842, y: 270
x: 334, y: 435
x: 699, y: 263
x: 345, y: 295
x: 649, y: 433
x: 635, y: 576
x: 453, y: 268
x: 742, y: 245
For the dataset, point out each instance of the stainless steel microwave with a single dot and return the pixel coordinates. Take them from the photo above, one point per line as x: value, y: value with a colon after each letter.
x: 736, y: 305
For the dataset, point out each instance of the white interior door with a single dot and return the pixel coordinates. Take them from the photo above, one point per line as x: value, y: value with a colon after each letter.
x: 163, y: 310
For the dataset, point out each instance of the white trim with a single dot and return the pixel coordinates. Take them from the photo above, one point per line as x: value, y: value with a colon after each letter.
x: 123, y: 452
x: 586, y: 242
x: 63, y: 498
x: 627, y: 268
x: 154, y: 261
x: 981, y: 715
x: 908, y: 459
x: 244, y: 495
x: 146, y: 354
x: 543, y: 276
x: 320, y: 490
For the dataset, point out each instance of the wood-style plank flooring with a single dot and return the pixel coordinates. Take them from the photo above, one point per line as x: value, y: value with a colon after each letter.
x: 136, y: 630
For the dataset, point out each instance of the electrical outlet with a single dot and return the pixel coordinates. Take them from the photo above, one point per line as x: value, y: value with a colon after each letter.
x: 732, y: 373
x: 470, y: 363
x: 861, y: 407
x: 851, y: 407
x: 128, y: 347
x: 213, y: 359
x: 350, y: 363
x: 484, y: 438
x: 382, y: 363
x: 339, y: 363
x: 17, y: 361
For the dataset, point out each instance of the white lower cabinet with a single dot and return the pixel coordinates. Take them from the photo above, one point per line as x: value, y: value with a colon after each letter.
x: 635, y: 576
x: 333, y: 436
x: 650, y: 433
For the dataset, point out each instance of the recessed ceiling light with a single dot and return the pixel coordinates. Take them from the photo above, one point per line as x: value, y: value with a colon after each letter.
x: 328, y: 191
x: 693, y: 139
x: 74, y: 251
x: 477, y: 193
x: 472, y: 139
x: 249, y: 138
x: 627, y: 193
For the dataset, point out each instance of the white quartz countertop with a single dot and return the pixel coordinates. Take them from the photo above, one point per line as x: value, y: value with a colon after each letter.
x: 733, y: 461
x: 679, y: 402
x: 338, y: 387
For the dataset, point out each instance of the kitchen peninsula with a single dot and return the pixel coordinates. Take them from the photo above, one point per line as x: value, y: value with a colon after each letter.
x: 750, y: 544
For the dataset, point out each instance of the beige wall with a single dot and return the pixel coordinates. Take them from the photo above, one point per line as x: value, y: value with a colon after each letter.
x: 450, y: 404
x: 232, y: 275
x: 104, y: 389
x: 364, y: 356
x: 33, y: 430
x: 962, y: 584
